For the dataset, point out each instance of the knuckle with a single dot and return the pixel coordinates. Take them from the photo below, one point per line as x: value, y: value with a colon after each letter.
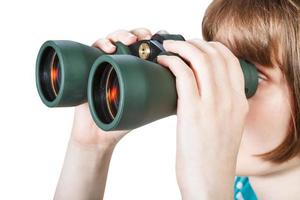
x: 199, y: 58
x: 142, y: 32
x: 223, y: 48
x: 217, y: 44
x: 213, y: 50
x: 190, y: 46
x: 213, y: 53
x: 193, y: 41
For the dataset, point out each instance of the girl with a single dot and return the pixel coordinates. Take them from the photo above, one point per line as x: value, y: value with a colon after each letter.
x: 223, y: 139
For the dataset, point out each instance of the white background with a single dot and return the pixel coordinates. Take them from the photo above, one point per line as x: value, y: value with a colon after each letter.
x: 33, y: 138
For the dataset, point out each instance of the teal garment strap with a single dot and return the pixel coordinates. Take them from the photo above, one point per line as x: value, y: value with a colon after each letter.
x: 243, y: 189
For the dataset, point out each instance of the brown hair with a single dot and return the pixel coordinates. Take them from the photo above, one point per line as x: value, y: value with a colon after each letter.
x: 266, y: 32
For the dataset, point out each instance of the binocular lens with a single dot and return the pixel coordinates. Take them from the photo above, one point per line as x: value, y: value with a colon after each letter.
x: 112, y: 92
x: 55, y: 74
x: 106, y: 92
x: 50, y: 74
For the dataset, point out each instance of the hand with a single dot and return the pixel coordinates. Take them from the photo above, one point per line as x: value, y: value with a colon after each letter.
x: 85, y: 132
x: 90, y: 148
x: 211, y: 112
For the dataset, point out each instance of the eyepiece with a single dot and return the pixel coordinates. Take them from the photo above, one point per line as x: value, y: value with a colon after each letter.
x: 106, y: 92
x: 49, y: 74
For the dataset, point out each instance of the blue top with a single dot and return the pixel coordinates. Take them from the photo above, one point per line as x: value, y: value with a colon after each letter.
x: 243, y: 189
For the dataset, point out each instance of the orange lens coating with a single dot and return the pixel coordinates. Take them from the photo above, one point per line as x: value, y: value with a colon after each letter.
x: 113, y: 94
x: 54, y: 73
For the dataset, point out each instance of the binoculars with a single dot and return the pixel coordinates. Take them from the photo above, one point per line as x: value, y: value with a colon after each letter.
x: 124, y: 90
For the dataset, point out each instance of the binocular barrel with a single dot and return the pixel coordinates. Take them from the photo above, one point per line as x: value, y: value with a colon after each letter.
x: 62, y: 72
x: 124, y: 91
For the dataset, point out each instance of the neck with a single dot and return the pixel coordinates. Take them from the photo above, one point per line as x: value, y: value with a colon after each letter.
x: 280, y: 185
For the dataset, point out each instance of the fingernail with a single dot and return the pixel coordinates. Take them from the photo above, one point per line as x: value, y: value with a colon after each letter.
x: 111, y: 46
x: 161, y: 56
x: 147, y: 37
x: 131, y: 35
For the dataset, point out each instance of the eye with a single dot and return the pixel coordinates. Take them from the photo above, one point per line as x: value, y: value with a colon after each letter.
x: 261, y: 77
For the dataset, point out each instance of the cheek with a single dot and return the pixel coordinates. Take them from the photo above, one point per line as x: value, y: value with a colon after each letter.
x: 267, y: 121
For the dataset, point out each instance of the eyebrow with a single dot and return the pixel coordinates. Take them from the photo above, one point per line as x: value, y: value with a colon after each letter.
x: 265, y: 68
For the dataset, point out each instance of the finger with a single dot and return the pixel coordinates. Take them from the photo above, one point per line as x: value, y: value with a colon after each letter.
x: 187, y: 89
x: 162, y: 32
x: 123, y: 36
x: 235, y: 73
x: 105, y: 45
x: 198, y: 62
x: 142, y: 33
x: 219, y: 67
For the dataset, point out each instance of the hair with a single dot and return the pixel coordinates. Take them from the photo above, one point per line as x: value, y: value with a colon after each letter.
x: 266, y: 32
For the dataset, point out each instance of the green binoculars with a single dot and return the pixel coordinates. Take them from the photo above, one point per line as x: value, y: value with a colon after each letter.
x: 124, y: 90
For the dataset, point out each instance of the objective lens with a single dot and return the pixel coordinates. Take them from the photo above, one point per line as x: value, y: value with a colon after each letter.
x: 106, y: 92
x: 50, y: 74
x: 55, y: 74
x: 112, y: 92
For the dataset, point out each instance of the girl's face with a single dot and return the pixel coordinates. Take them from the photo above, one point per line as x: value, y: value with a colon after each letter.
x: 266, y: 124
